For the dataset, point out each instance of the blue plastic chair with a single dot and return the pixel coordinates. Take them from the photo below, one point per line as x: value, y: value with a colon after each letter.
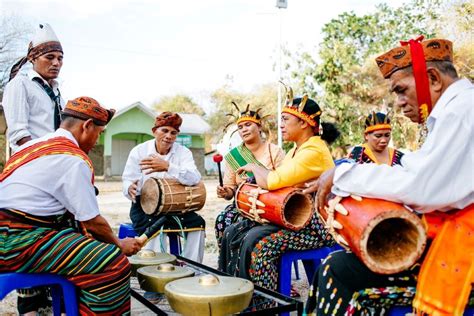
x: 126, y: 230
x: 403, y: 310
x: 11, y: 281
x: 311, y: 260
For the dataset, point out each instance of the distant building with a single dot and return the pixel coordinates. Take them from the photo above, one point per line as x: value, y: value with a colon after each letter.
x: 131, y: 126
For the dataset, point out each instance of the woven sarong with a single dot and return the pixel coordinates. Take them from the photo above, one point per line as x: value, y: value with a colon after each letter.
x: 34, y: 244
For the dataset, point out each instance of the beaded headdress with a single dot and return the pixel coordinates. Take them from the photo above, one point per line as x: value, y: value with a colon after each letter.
x: 245, y: 116
x: 298, y: 109
x: 375, y: 122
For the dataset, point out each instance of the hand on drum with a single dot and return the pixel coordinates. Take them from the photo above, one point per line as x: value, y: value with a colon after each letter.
x: 154, y: 164
x: 225, y: 192
x: 247, y: 168
x: 129, y: 246
x: 323, y: 187
x: 132, y: 190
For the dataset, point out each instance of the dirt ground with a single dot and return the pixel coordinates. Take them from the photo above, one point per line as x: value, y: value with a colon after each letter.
x: 115, y: 208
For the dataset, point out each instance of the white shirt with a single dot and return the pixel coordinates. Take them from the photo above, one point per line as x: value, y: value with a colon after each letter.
x: 181, y: 166
x: 29, y: 111
x: 51, y: 184
x: 440, y: 175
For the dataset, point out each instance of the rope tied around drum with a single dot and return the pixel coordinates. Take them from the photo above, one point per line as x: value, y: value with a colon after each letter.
x: 331, y: 224
x: 254, y: 212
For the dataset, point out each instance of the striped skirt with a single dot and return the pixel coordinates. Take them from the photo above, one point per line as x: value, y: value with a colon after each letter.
x: 33, y: 244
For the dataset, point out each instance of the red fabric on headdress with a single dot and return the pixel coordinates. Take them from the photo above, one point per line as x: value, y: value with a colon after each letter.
x: 421, y: 77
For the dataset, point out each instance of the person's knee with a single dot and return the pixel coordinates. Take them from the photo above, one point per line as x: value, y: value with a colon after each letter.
x: 123, y: 264
x: 335, y: 265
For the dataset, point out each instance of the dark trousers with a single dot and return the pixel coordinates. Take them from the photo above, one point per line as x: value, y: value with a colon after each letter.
x: 343, y: 284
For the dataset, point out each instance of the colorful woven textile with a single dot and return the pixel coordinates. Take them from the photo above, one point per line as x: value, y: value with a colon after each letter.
x: 33, y: 244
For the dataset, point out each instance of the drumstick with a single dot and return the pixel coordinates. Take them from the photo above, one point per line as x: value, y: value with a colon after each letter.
x: 217, y: 159
x: 151, y: 231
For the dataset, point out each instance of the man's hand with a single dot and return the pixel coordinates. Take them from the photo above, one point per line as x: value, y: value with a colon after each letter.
x: 154, y: 164
x: 23, y: 140
x: 132, y: 190
x: 129, y: 246
x: 225, y: 192
x: 323, y: 185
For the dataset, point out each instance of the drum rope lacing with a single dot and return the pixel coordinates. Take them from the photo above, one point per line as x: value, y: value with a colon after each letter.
x: 331, y: 224
x: 254, y: 212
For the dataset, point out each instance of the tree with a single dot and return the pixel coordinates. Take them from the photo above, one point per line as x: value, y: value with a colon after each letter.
x: 456, y: 24
x: 344, y: 77
x: 13, y: 44
x: 178, y: 103
x: 264, y: 96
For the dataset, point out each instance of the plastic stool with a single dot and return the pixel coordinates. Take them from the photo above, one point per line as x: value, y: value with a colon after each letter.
x: 126, y: 230
x: 311, y: 260
x: 11, y: 281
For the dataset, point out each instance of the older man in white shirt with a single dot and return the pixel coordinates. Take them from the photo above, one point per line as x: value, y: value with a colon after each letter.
x: 162, y: 157
x: 31, y: 100
x: 436, y: 180
x: 44, y: 187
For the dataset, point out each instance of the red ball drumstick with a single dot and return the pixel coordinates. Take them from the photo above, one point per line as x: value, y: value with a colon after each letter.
x: 217, y: 159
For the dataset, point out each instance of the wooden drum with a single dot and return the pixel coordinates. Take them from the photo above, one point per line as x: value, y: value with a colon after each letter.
x: 385, y: 235
x: 169, y: 196
x: 287, y: 207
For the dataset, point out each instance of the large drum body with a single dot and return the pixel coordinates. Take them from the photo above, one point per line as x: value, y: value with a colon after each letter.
x: 287, y: 207
x: 385, y: 235
x: 161, y: 196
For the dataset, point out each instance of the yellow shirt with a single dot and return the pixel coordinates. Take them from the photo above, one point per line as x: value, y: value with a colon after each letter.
x: 301, y: 164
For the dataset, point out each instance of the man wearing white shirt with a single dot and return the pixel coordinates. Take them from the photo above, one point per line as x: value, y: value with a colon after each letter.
x: 50, y: 220
x: 32, y: 104
x: 31, y: 100
x: 162, y: 157
x: 436, y: 180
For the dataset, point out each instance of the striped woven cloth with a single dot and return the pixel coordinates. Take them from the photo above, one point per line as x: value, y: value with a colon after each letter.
x: 33, y: 244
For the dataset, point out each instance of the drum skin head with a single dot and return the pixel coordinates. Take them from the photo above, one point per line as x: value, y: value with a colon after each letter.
x: 150, y: 196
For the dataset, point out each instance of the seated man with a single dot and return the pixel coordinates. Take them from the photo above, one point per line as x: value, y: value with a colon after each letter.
x: 47, y: 186
x: 436, y: 180
x: 162, y: 157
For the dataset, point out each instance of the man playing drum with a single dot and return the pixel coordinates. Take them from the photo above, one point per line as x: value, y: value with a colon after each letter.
x: 251, y: 250
x: 44, y: 189
x: 435, y: 180
x: 163, y: 158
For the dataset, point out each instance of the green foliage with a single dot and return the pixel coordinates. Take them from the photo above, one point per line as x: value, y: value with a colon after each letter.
x: 345, y: 74
x: 264, y: 97
x: 178, y: 103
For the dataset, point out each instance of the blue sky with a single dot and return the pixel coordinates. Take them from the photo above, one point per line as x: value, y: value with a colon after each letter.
x: 121, y: 51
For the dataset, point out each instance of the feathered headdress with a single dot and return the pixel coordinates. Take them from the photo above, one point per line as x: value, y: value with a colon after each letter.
x: 243, y: 116
x: 298, y: 109
x: 377, y: 121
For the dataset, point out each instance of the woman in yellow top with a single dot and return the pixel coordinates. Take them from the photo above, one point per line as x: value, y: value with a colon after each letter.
x: 254, y: 149
x: 251, y: 250
x: 377, y: 134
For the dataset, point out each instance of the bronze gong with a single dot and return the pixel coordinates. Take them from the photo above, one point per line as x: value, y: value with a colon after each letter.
x: 154, y: 278
x: 147, y: 257
x: 209, y: 295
